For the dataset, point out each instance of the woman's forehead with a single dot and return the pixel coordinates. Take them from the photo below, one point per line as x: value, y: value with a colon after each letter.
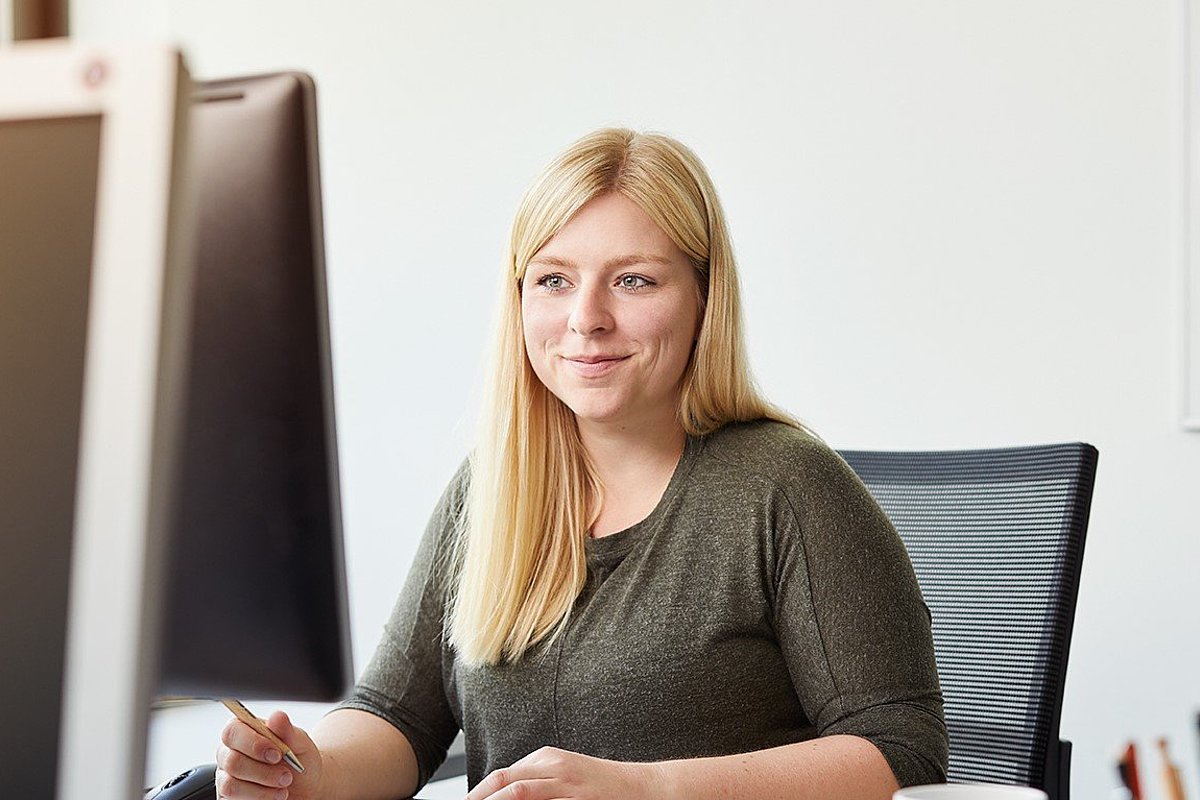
x: 608, y: 230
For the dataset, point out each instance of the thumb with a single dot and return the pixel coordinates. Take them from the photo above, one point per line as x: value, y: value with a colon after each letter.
x: 293, y: 736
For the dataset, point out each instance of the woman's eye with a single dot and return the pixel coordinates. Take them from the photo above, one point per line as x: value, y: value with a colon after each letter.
x: 633, y: 282
x: 552, y: 282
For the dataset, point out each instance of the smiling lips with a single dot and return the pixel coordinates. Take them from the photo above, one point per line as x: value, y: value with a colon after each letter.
x: 593, y: 366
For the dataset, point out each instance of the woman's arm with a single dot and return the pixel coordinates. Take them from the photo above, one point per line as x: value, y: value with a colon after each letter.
x: 842, y: 767
x: 364, y: 757
x: 393, y: 731
x: 350, y: 754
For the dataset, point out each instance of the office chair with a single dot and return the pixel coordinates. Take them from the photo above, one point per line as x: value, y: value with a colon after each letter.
x: 996, y: 539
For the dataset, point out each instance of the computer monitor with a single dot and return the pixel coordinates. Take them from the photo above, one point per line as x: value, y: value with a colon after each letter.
x: 168, y: 476
x: 93, y: 321
x: 257, y: 600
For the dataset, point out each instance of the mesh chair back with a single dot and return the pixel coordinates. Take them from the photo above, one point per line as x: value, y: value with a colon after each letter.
x: 996, y: 540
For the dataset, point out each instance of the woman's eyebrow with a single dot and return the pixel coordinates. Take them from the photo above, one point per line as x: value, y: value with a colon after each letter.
x: 551, y: 261
x: 612, y: 263
x: 636, y: 258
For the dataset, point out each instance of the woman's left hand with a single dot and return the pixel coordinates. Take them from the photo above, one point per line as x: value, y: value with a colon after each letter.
x: 553, y: 774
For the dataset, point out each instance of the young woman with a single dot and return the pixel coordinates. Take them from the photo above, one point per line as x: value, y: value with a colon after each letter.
x: 646, y: 582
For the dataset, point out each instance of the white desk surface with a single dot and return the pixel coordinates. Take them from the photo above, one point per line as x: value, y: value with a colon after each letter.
x: 186, y: 735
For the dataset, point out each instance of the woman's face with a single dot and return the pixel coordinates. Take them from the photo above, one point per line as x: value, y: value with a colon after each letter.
x: 610, y: 309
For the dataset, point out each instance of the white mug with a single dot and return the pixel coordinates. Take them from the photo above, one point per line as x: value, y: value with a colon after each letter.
x: 969, y: 791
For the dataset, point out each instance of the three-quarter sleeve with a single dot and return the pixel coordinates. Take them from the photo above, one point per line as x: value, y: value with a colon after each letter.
x: 403, y: 683
x: 853, y: 627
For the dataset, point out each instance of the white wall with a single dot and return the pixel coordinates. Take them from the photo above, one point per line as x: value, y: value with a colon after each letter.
x: 959, y: 225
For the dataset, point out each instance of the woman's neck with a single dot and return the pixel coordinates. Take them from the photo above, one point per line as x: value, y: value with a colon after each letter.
x: 634, y: 467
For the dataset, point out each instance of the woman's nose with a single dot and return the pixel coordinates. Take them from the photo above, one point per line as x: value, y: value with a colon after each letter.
x: 590, y: 313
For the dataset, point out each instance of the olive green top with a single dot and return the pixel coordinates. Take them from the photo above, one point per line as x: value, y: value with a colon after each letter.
x: 765, y: 600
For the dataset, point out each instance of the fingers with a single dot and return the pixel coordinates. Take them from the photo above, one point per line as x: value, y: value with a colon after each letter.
x: 249, y: 767
x: 293, y: 737
x: 240, y: 737
x: 541, y: 775
x: 230, y: 788
x: 494, y: 782
x: 516, y: 789
x: 244, y: 768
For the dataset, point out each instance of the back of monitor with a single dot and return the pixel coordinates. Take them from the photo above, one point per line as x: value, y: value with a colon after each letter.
x: 256, y: 602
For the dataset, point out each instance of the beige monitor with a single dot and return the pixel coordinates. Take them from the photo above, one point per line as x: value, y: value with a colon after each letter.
x: 93, y: 319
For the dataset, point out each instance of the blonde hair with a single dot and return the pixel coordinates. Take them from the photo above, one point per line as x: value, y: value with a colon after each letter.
x: 533, y: 494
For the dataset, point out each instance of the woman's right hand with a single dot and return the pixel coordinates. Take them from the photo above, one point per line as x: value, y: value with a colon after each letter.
x: 250, y: 767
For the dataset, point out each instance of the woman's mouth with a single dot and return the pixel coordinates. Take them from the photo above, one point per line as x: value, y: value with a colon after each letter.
x: 594, y: 366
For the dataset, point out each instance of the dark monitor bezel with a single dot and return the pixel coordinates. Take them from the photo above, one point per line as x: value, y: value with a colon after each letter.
x: 256, y: 591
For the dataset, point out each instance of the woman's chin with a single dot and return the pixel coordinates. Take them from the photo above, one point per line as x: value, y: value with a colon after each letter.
x: 599, y: 416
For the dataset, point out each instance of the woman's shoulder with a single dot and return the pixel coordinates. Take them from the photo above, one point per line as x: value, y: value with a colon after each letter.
x: 456, y: 490
x: 450, y: 506
x: 785, y: 455
x: 764, y: 445
x: 772, y: 462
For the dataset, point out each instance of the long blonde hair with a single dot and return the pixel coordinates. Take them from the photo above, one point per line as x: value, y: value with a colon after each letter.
x: 533, y: 494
